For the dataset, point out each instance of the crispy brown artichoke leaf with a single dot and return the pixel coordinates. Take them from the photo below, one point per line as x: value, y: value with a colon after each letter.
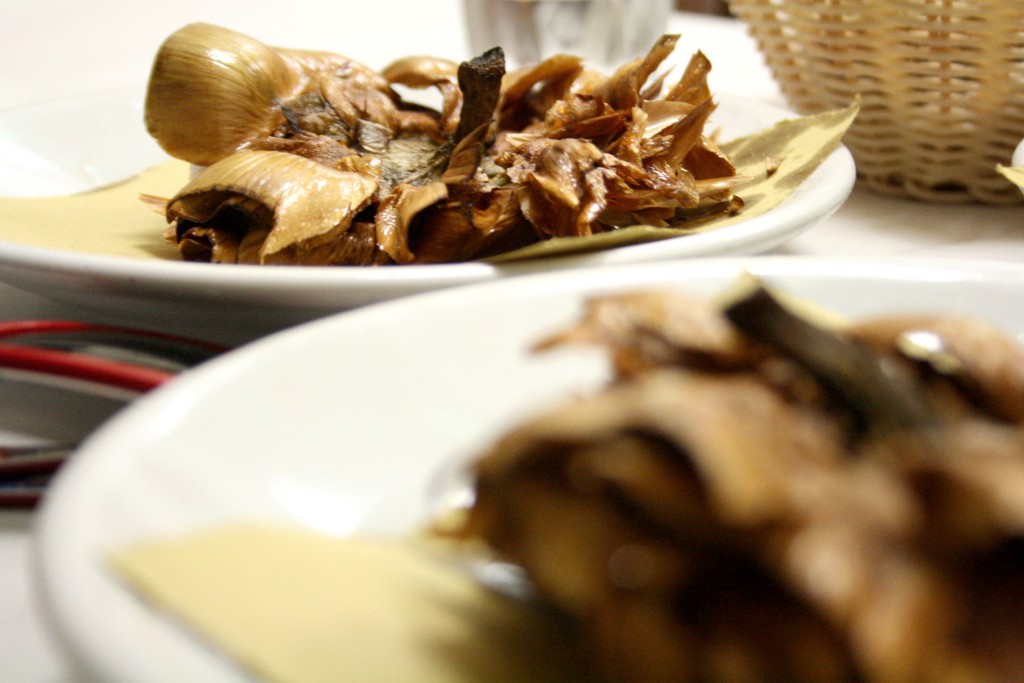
x: 800, y: 144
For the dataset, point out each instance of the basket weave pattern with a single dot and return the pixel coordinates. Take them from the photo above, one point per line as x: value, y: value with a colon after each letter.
x: 941, y: 85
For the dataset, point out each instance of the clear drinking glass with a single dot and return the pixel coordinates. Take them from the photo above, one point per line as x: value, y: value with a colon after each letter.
x: 605, y: 32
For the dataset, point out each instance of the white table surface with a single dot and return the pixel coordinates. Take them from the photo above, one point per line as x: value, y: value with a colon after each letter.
x: 56, y: 48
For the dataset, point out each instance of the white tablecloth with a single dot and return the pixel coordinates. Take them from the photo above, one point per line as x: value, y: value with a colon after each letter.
x: 57, y: 48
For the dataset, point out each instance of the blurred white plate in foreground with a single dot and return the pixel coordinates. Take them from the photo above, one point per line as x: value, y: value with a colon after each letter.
x: 345, y: 424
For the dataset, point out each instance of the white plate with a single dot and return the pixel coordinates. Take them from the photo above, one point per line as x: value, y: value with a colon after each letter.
x: 1018, y: 155
x: 345, y: 425
x: 42, y: 152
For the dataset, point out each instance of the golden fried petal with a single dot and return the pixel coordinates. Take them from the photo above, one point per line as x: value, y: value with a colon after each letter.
x: 520, y: 103
x: 294, y: 199
x: 424, y: 72
x: 622, y: 89
x: 692, y: 87
x: 396, y: 213
x: 211, y: 90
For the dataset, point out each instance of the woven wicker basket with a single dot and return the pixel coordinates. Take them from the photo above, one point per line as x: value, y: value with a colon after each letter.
x: 941, y: 85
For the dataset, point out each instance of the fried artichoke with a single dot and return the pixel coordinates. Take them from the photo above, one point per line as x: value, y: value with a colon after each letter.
x: 756, y: 497
x: 508, y: 159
